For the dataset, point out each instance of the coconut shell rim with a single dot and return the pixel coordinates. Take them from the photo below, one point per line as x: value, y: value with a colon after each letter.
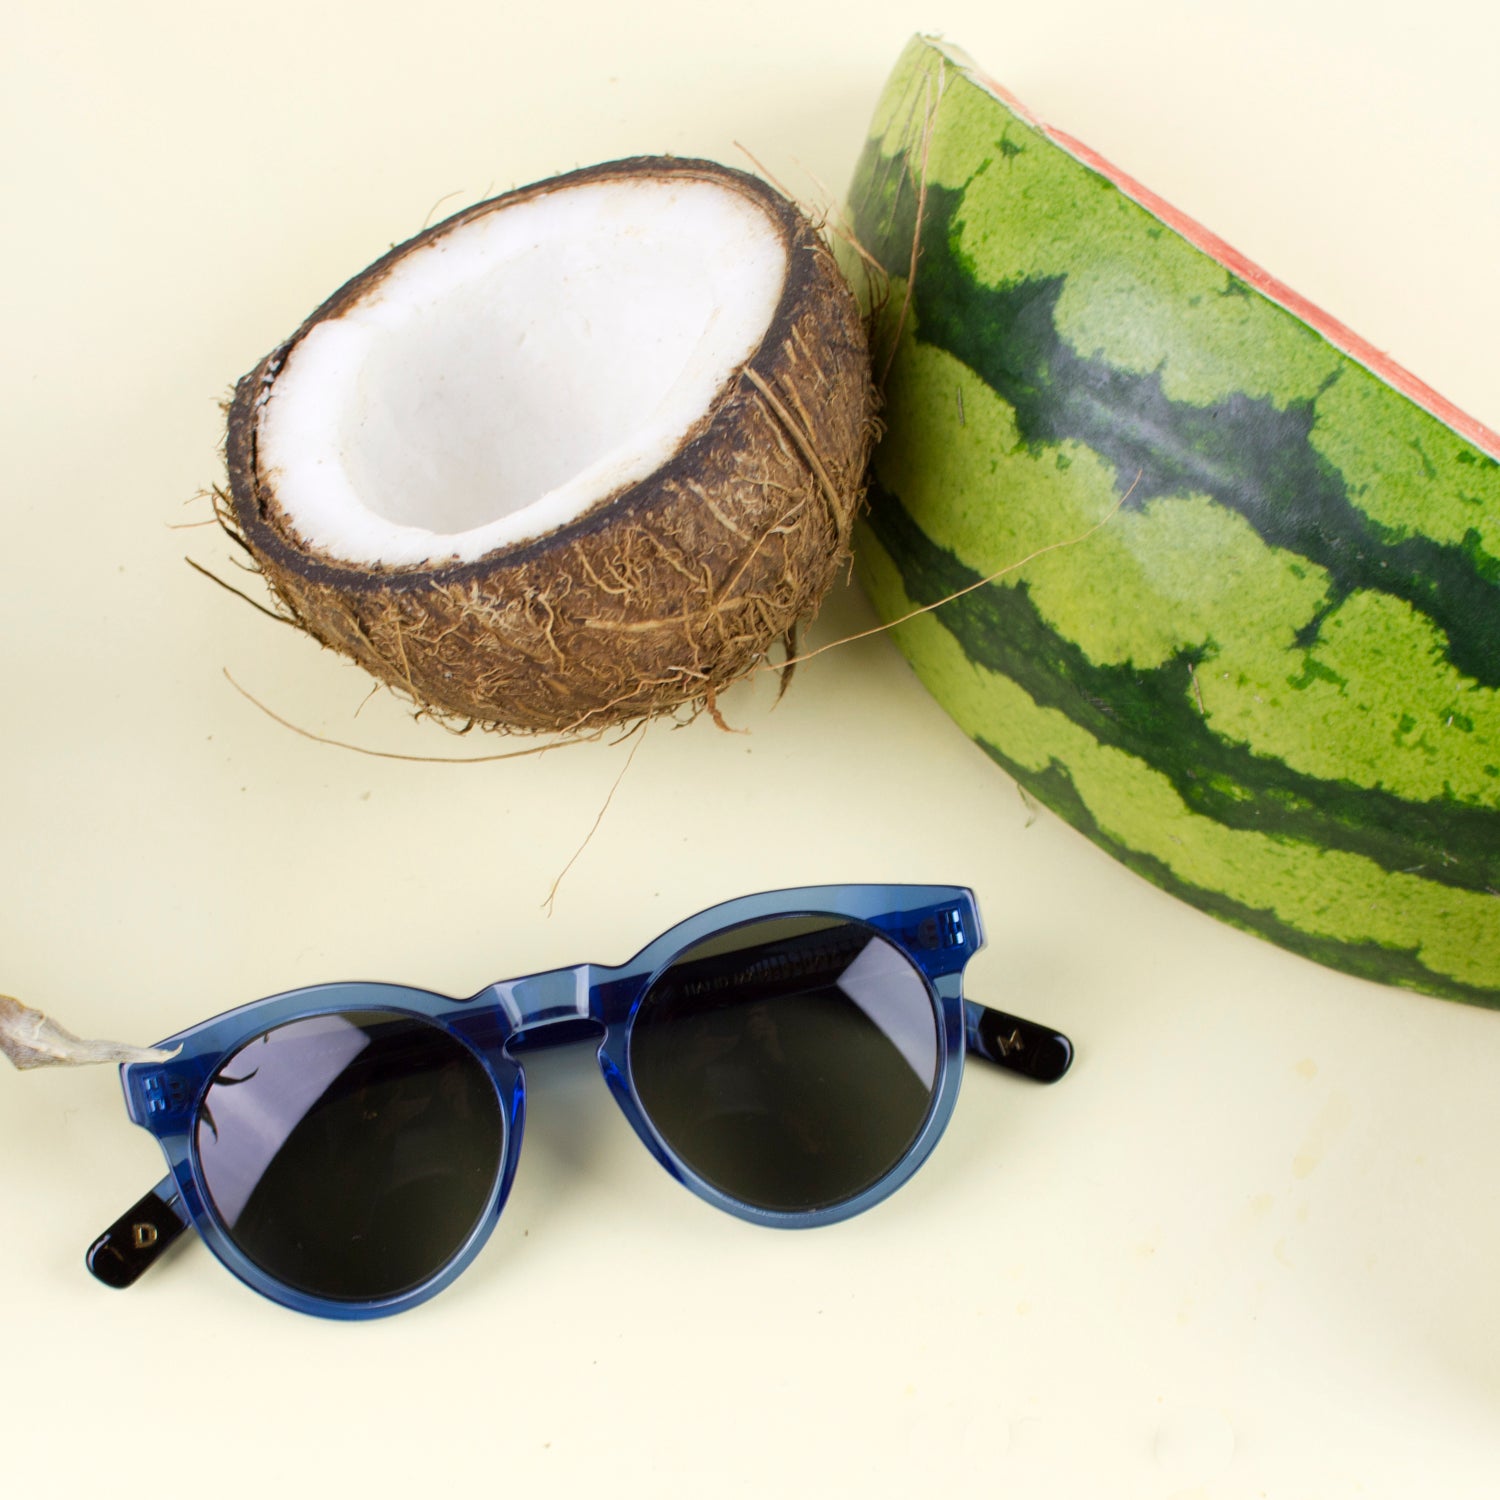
x: 801, y: 287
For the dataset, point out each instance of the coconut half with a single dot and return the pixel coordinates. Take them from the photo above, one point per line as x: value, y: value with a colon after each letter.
x: 578, y: 455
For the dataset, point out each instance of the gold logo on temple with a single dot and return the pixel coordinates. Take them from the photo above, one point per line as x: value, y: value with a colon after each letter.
x: 1011, y: 1043
x: 144, y: 1235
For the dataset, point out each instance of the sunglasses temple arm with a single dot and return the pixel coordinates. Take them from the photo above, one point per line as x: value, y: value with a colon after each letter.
x: 1021, y: 1046
x: 134, y: 1242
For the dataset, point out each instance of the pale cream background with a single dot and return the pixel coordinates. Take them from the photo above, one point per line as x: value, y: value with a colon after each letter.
x: 1248, y: 1248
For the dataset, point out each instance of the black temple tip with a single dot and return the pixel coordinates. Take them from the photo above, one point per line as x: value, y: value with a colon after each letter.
x: 132, y: 1244
x: 1023, y: 1047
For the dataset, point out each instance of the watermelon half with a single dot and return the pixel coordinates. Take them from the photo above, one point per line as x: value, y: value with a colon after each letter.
x: 1269, y: 681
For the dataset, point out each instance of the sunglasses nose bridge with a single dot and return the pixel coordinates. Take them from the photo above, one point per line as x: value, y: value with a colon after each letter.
x: 543, y: 1006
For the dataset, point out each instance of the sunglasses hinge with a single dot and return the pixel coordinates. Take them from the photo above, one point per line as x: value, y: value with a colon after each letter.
x: 158, y: 1095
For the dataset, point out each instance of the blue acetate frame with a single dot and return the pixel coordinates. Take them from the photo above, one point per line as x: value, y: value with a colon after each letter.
x: 936, y: 927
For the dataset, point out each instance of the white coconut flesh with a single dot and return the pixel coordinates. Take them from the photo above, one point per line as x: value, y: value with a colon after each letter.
x: 505, y: 376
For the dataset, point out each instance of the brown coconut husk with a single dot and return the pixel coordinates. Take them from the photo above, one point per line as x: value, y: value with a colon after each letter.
x: 658, y: 597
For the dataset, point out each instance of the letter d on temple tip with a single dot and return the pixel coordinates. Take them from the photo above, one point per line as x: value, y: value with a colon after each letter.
x: 134, y: 1242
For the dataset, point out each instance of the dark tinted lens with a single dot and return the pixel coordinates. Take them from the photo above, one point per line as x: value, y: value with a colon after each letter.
x: 789, y: 1062
x: 350, y: 1155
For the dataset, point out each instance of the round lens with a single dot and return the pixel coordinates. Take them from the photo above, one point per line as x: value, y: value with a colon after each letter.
x: 350, y: 1156
x: 791, y: 1062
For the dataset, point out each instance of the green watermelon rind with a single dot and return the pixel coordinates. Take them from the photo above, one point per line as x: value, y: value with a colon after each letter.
x: 1288, y: 715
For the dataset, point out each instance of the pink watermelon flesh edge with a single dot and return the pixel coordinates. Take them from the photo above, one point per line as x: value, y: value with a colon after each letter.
x: 1338, y: 334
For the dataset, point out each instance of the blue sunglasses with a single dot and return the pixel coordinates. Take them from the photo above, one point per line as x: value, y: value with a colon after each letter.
x: 791, y: 1057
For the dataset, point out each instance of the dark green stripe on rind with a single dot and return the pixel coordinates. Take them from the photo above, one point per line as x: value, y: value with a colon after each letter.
x: 1150, y: 713
x: 1293, y: 729
x: 1054, y: 786
x: 1248, y: 454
